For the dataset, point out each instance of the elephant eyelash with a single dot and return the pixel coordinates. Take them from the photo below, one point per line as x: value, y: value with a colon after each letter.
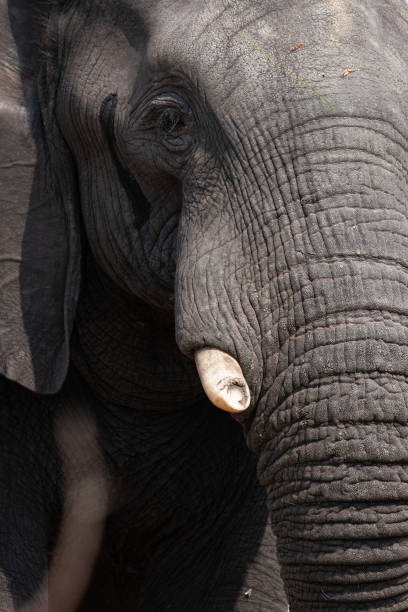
x: 173, y: 121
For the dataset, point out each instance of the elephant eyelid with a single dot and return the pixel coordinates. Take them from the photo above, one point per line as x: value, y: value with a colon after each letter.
x: 170, y: 104
x: 169, y: 100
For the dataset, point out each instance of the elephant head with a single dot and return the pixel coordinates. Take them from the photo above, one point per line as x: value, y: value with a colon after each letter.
x: 252, y: 191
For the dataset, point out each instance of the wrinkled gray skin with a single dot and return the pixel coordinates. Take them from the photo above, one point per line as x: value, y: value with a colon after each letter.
x: 198, y: 184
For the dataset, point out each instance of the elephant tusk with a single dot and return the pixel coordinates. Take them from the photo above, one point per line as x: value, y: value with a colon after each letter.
x: 222, y: 380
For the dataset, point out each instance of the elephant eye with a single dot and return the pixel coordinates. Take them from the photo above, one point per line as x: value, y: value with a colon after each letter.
x: 172, y: 120
x: 174, y: 130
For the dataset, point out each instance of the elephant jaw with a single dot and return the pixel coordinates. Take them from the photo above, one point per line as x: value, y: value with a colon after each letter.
x: 222, y: 380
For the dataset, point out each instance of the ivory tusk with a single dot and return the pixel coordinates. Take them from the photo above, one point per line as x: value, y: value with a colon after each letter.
x: 222, y: 380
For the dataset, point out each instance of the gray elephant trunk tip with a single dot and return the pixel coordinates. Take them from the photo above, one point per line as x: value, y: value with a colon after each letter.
x: 222, y: 380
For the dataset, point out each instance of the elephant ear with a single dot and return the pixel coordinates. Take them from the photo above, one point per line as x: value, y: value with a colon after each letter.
x: 39, y: 237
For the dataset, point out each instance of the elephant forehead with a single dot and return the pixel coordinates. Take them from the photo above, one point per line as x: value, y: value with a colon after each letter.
x: 232, y: 50
x: 243, y: 53
x: 210, y: 40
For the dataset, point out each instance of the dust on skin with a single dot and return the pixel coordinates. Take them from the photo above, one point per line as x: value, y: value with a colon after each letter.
x: 342, y: 20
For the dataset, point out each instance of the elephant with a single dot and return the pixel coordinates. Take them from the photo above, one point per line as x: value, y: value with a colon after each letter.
x: 204, y: 303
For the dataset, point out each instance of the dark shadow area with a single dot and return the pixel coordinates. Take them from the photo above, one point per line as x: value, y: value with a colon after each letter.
x: 192, y: 518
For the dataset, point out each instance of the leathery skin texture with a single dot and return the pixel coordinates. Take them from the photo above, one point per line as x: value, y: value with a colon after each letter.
x: 181, y: 175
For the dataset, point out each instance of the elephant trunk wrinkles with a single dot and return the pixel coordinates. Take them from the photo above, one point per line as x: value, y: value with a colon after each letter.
x: 333, y: 444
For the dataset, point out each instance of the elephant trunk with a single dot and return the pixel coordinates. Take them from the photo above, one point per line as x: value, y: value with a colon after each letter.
x: 332, y: 435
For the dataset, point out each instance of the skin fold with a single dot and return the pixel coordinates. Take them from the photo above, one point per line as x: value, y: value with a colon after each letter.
x: 179, y: 176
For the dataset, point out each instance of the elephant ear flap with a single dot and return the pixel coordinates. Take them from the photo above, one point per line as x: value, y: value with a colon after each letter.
x: 39, y: 237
